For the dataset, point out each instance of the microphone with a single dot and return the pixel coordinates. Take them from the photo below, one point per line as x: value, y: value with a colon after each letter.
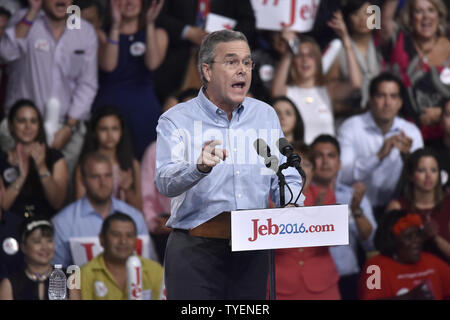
x: 293, y: 159
x: 263, y: 150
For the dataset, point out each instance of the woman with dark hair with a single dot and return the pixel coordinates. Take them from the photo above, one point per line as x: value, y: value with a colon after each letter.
x: 290, y: 119
x: 108, y: 134
x: 421, y: 192
x: 130, y: 49
x: 358, y: 55
x: 35, y: 176
x: 38, y: 248
x: 403, y: 271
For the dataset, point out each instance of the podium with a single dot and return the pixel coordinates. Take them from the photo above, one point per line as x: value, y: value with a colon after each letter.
x: 291, y: 227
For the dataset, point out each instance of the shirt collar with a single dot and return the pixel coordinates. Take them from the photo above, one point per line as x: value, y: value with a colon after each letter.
x: 214, y: 111
x: 87, y: 209
x: 369, y: 122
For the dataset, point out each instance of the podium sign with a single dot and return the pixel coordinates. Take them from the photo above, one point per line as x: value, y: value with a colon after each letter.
x: 289, y: 227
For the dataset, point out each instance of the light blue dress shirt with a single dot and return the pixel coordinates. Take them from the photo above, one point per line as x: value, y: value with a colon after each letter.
x: 240, y: 182
x: 79, y: 219
x: 345, y: 257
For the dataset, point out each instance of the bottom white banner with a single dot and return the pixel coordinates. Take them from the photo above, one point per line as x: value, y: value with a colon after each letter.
x: 289, y: 227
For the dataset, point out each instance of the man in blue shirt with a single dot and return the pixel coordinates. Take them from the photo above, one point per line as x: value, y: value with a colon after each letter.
x: 78, y: 225
x: 204, y: 181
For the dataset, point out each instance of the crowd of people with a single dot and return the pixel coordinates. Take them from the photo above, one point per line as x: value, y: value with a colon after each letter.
x: 79, y: 114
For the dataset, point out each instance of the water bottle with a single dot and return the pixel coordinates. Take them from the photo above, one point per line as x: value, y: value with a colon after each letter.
x: 51, y: 119
x: 57, y: 284
x: 134, y: 278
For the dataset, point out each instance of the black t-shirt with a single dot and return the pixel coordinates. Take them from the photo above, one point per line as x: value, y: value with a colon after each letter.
x: 32, y: 193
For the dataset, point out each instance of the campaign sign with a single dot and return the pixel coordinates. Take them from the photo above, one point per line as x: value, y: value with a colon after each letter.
x: 297, y: 15
x: 215, y: 22
x: 289, y: 227
x: 84, y: 249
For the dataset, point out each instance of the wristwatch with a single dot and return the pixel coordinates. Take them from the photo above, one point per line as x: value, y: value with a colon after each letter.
x: 358, y: 213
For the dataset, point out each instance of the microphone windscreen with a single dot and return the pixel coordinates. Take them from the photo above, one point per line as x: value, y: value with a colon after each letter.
x: 282, y: 145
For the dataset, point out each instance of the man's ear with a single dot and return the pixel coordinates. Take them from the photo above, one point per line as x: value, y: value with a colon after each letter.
x: 206, y: 69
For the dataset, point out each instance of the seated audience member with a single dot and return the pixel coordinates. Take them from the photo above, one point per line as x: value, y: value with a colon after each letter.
x: 442, y: 149
x: 84, y: 217
x: 155, y: 206
x: 108, y: 134
x: 290, y: 119
x: 35, y: 176
x: 37, y: 246
x: 362, y: 225
x: 402, y: 270
x: 374, y: 144
x: 421, y: 192
x: 299, y: 77
x: 52, y: 66
x: 418, y: 50
x: 358, y: 55
x: 105, y: 277
x: 129, y: 51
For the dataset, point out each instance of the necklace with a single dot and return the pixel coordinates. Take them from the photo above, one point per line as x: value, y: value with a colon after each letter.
x: 37, y: 277
x: 424, y: 53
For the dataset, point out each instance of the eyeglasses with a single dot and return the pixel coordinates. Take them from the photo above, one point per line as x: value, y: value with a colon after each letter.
x: 234, y: 63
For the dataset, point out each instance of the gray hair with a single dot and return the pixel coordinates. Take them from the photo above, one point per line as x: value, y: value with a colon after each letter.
x: 207, y: 50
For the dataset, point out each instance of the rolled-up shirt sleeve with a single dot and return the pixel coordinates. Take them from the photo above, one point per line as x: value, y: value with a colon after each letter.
x: 174, y: 174
x: 87, y: 83
x: 12, y: 48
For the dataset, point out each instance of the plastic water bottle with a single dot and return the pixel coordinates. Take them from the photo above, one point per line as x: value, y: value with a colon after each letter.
x: 57, y: 284
x: 51, y: 119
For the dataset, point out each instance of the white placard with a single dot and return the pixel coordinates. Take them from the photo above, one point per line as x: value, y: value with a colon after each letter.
x: 289, y: 227
x: 84, y: 249
x: 297, y: 15
x: 215, y: 22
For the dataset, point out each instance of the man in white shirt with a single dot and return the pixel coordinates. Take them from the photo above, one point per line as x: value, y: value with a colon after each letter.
x: 374, y: 143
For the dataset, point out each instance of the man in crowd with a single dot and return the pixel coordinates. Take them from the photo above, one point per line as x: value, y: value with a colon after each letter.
x: 79, y: 222
x: 105, y: 277
x: 47, y: 62
x: 374, y: 144
x: 326, y: 155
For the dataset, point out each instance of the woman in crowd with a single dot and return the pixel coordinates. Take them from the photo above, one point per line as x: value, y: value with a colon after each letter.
x: 131, y: 48
x: 31, y: 283
x: 108, y: 134
x: 421, y: 192
x: 35, y: 176
x: 358, y: 48
x: 403, y: 271
x: 299, y: 77
x: 419, y: 50
x: 290, y: 119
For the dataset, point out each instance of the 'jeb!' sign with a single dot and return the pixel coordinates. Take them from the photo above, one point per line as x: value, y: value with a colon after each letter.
x: 289, y: 227
x: 297, y: 15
